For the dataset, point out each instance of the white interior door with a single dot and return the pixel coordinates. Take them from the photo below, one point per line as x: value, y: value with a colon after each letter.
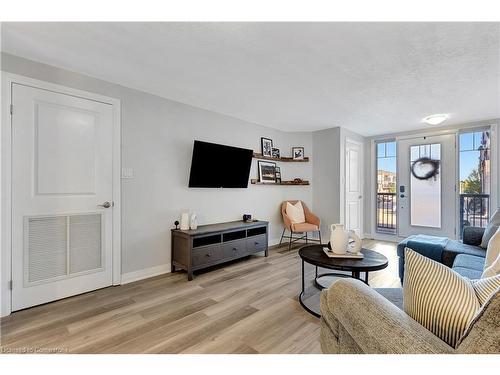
x: 353, y: 187
x: 61, y: 172
x: 427, y: 206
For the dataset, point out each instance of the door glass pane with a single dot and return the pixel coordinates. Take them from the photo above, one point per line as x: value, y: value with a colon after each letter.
x: 466, y: 142
x: 381, y: 150
x: 390, y: 149
x: 475, y: 178
x: 386, y: 187
x: 425, y: 185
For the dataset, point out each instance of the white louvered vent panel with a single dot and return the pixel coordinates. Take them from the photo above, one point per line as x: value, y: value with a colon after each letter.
x: 85, y: 243
x: 46, y: 248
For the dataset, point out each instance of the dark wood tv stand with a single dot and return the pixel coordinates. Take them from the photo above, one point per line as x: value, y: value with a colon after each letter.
x: 213, y: 244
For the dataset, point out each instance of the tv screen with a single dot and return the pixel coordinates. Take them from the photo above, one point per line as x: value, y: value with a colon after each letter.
x: 219, y: 166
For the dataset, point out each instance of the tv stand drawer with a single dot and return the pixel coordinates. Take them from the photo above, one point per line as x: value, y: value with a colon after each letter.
x: 207, y: 255
x: 256, y: 243
x: 234, y: 249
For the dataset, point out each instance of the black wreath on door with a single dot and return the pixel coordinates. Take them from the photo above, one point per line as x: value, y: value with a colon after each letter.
x: 430, y: 166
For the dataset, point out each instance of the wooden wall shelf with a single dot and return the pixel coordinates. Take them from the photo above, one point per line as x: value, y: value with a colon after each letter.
x: 287, y: 183
x: 285, y: 159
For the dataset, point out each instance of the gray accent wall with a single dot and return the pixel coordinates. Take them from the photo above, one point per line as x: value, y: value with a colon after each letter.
x: 326, y: 181
x: 157, y: 140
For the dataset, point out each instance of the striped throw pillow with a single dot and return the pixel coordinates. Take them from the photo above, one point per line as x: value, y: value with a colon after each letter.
x: 437, y: 297
x: 485, y: 288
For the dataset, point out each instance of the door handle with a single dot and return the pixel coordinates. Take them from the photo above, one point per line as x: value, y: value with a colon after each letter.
x: 106, y: 205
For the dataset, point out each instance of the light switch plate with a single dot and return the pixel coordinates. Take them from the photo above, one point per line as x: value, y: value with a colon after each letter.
x: 127, y: 173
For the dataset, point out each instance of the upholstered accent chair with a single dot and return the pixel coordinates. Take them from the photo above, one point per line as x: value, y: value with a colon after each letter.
x: 358, y: 319
x: 299, y: 231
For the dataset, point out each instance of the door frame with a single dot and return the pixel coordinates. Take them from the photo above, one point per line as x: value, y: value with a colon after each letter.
x: 405, y: 163
x: 8, y: 79
x: 361, y: 185
x: 493, y: 124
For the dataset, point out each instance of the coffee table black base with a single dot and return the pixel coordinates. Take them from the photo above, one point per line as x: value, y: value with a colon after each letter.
x: 319, y: 286
x: 315, y: 256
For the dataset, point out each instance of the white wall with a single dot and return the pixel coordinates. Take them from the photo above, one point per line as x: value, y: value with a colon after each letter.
x: 157, y: 139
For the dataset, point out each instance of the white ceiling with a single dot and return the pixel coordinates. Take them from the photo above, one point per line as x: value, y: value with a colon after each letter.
x: 371, y: 78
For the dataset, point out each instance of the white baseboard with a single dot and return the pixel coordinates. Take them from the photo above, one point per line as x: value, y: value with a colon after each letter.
x: 146, y: 273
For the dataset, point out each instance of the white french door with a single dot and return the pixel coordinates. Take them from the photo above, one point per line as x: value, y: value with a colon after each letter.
x: 353, y: 187
x: 427, y: 205
x: 62, y: 195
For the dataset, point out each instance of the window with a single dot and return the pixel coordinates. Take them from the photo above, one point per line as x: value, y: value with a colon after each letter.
x: 425, y: 194
x: 475, y: 178
x: 386, y: 187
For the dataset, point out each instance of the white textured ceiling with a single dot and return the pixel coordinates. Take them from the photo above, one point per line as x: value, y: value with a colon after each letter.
x: 371, y: 78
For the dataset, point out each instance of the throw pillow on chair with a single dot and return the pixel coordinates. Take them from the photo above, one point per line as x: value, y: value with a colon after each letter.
x: 295, y: 212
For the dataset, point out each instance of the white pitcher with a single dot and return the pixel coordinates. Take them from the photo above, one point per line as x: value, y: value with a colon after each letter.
x: 339, y: 238
x: 356, y: 247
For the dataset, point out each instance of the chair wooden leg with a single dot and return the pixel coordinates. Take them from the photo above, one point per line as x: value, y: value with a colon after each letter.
x: 282, y: 234
x: 290, y: 242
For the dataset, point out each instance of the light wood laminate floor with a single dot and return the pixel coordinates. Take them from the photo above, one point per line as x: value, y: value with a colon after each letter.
x: 249, y: 306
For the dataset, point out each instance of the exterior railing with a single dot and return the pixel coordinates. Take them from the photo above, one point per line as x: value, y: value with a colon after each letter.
x: 386, y: 212
x: 474, y: 210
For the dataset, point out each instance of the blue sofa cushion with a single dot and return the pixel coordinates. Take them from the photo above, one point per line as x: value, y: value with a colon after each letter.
x: 469, y: 266
x: 467, y: 272
x: 454, y: 248
x: 469, y: 261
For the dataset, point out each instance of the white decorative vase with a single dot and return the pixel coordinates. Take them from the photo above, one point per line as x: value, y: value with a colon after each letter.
x: 339, y: 239
x: 356, y: 247
x: 193, y: 224
x: 184, y: 221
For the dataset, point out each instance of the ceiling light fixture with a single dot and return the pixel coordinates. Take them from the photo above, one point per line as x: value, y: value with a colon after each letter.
x: 436, y: 119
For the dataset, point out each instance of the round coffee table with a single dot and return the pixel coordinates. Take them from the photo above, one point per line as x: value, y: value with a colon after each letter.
x: 314, y: 255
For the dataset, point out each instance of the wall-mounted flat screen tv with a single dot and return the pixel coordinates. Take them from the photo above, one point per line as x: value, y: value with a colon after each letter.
x: 219, y: 166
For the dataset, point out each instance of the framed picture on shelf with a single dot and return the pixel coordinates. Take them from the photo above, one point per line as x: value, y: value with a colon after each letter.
x: 266, y: 147
x: 278, y: 175
x: 298, y: 153
x: 267, y: 172
x: 276, y: 153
